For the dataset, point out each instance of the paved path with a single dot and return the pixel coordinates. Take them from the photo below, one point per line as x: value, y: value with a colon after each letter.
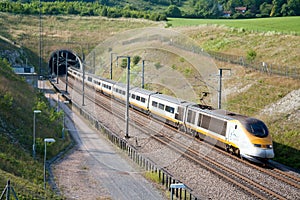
x: 95, y: 170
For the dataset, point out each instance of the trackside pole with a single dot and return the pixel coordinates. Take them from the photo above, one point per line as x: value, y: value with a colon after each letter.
x: 7, y: 191
x: 127, y: 97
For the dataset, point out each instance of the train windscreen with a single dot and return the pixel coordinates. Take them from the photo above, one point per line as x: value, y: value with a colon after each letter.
x: 256, y: 127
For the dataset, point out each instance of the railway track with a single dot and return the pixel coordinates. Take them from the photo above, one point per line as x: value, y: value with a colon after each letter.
x: 230, y: 175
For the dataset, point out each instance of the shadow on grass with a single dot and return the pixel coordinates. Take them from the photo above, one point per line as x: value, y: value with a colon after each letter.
x: 287, y: 155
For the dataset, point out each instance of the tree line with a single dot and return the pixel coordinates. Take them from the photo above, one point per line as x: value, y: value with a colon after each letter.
x: 242, y: 8
x: 77, y: 8
x: 157, y: 10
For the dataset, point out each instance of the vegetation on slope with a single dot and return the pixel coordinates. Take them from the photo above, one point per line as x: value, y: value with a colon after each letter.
x: 17, y: 102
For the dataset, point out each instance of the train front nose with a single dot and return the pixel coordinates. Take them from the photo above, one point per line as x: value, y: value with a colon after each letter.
x: 265, y: 153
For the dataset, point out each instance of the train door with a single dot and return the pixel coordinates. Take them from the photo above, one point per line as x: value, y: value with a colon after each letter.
x: 179, y: 115
x: 232, y: 138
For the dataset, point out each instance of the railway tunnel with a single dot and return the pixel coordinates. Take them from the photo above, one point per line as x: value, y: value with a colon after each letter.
x: 61, y: 59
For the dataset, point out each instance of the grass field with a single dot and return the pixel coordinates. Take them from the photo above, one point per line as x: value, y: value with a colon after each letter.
x: 287, y: 25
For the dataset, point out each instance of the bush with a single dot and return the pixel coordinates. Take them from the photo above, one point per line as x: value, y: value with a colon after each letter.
x: 251, y: 55
x: 136, y: 60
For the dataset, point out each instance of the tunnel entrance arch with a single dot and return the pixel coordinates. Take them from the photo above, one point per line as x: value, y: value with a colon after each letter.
x: 61, y: 59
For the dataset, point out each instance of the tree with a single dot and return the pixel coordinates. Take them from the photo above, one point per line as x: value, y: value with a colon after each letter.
x: 208, y: 8
x: 104, y: 12
x: 294, y: 7
x: 277, y: 6
x: 173, y: 11
x: 265, y: 9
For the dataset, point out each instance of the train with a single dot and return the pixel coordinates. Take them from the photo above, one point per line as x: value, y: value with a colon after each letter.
x: 241, y: 135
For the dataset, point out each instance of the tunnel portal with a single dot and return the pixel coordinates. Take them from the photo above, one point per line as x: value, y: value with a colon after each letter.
x: 61, y: 59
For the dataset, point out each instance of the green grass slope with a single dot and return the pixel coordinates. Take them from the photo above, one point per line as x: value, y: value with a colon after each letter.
x: 17, y: 102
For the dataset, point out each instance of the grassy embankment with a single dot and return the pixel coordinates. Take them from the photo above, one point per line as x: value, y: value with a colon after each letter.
x: 17, y: 102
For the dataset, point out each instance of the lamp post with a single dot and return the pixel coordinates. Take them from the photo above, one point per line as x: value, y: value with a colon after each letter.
x: 46, y: 140
x: 33, y: 146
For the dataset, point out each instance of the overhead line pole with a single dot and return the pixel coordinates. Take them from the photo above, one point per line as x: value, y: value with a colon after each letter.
x: 127, y: 95
x: 220, y: 87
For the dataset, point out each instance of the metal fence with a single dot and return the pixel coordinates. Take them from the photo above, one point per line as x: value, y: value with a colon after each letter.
x: 264, y: 67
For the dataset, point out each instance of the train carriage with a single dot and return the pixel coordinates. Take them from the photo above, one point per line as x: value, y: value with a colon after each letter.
x: 89, y: 81
x: 107, y: 86
x: 139, y: 99
x: 165, y: 108
x: 205, y: 123
x: 119, y: 91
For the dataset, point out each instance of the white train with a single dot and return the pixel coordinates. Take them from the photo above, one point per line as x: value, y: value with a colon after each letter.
x: 244, y: 136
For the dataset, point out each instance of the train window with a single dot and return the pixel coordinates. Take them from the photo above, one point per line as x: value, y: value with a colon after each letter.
x: 161, y: 106
x: 199, y: 120
x: 143, y: 100
x: 218, y: 126
x: 123, y: 92
x: 90, y: 79
x: 205, y: 121
x: 116, y: 89
x: 169, y: 109
x: 191, y: 117
x: 154, y: 103
x: 109, y: 87
x: 256, y: 127
x: 133, y: 96
x: 138, y: 98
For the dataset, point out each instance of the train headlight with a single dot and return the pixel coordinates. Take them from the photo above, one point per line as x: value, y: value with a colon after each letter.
x: 257, y: 145
x: 269, y: 146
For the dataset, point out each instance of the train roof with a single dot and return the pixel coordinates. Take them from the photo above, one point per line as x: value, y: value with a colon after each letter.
x: 142, y: 91
x: 105, y: 80
x: 172, y: 99
x: 217, y: 113
x: 231, y: 115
